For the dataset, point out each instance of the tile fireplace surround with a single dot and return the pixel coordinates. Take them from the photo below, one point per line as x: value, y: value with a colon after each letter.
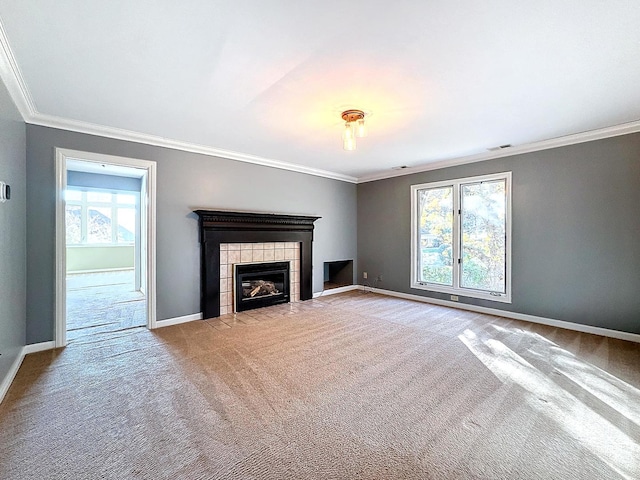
x: 232, y: 253
x: 289, y: 236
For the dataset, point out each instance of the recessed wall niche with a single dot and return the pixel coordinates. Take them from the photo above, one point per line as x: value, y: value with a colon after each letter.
x: 338, y: 274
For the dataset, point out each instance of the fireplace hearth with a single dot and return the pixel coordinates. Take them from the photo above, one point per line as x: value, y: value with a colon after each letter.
x: 218, y: 227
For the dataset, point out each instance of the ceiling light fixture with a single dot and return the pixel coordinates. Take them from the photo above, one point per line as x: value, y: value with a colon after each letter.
x: 353, y: 128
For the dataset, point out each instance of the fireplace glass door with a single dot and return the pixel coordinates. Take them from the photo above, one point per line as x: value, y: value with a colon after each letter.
x: 260, y: 285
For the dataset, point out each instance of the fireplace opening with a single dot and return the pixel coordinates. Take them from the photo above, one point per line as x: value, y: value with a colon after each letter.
x: 261, y: 284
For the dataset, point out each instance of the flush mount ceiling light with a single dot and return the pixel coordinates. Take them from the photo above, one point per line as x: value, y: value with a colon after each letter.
x: 354, y: 127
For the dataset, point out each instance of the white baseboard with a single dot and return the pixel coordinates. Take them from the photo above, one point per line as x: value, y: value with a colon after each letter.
x: 333, y: 291
x: 39, y: 347
x: 11, y: 374
x: 13, y: 371
x: 178, y: 320
x: 605, y: 332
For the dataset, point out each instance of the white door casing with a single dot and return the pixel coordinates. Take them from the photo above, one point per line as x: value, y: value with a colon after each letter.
x: 147, y: 173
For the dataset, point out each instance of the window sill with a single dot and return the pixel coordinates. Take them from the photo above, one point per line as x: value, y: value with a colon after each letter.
x: 462, y: 292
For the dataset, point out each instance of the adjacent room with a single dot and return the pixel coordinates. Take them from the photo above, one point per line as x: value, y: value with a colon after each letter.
x: 341, y: 240
x: 104, y: 277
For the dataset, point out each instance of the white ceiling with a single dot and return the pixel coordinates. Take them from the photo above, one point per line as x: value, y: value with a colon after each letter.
x: 267, y: 80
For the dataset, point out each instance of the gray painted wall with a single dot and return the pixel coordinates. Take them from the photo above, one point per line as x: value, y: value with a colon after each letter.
x: 186, y: 181
x: 12, y: 234
x: 576, y: 231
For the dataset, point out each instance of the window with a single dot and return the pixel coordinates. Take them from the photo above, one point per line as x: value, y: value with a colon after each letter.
x: 95, y: 217
x: 461, y: 237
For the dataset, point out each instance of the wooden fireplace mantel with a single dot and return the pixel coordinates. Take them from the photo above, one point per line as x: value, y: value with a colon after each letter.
x: 219, y: 226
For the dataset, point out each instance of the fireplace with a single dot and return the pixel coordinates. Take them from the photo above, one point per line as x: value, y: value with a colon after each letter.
x: 220, y: 230
x: 260, y: 284
x: 232, y: 254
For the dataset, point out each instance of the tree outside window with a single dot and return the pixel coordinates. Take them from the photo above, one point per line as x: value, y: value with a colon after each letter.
x: 461, y: 236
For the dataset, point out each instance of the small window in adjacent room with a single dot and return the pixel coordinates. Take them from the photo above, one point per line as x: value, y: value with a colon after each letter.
x: 461, y: 237
x: 100, y: 217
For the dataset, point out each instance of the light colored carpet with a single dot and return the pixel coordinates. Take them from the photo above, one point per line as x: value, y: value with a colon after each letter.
x: 103, y: 302
x: 352, y: 386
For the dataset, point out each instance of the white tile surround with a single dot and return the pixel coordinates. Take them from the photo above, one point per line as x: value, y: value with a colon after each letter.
x: 233, y: 253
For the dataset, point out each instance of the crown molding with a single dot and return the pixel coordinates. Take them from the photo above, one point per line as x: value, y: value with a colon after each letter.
x: 17, y: 87
x: 12, y: 78
x: 131, y: 136
x: 589, y: 136
x: 14, y: 81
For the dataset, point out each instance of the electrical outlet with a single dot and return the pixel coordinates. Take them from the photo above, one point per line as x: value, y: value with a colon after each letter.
x: 454, y: 298
x: 364, y: 275
x: 379, y: 278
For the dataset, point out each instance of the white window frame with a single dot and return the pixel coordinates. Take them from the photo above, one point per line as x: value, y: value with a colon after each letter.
x: 456, y: 289
x: 85, y: 204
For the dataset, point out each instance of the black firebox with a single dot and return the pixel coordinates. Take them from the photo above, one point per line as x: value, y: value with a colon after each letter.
x: 261, y: 284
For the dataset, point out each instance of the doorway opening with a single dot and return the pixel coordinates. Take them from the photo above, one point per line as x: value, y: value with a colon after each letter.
x: 105, y: 244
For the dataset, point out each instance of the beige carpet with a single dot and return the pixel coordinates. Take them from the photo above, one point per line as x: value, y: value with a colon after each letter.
x: 103, y: 302
x: 353, y: 386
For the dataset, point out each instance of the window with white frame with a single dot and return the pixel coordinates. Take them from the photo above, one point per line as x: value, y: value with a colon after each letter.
x: 100, y: 217
x: 461, y: 237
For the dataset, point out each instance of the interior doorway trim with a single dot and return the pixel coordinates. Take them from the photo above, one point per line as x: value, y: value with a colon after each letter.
x: 147, y: 209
